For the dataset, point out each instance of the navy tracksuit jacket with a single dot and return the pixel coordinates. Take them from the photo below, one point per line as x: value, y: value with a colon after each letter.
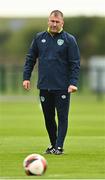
x: 58, y: 60
x: 58, y: 67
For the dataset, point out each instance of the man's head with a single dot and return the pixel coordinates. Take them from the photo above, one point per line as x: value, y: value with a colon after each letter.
x: 55, y: 21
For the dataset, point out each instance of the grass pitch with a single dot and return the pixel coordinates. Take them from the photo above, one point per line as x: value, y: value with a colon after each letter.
x: 22, y: 132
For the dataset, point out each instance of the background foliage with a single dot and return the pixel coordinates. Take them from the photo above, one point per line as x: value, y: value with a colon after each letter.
x: 16, y: 36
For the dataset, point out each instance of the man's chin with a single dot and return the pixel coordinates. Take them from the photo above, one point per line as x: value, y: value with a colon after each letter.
x: 53, y: 32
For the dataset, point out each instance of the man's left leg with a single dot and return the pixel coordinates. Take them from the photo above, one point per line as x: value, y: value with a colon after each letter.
x: 62, y: 101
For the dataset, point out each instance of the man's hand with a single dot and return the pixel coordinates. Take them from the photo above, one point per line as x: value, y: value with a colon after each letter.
x: 27, y: 85
x: 72, y: 89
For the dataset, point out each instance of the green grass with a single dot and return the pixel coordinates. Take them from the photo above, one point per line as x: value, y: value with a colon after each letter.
x: 22, y: 132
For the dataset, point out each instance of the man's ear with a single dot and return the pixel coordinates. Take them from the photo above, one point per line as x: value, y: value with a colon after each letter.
x: 62, y: 23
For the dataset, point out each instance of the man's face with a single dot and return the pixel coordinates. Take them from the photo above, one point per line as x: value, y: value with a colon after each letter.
x: 55, y: 23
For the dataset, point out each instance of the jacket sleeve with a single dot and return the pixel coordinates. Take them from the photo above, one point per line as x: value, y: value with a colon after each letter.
x: 74, y: 61
x: 30, y: 60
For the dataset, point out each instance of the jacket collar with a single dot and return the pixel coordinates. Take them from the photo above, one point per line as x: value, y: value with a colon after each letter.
x: 48, y: 30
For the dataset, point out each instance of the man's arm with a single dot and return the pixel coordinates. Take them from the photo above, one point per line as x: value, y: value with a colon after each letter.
x: 29, y: 64
x: 74, y: 62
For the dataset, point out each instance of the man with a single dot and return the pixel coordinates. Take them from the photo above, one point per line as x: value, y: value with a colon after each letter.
x: 58, y: 70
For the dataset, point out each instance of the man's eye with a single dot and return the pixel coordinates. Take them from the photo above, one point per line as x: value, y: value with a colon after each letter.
x: 55, y: 22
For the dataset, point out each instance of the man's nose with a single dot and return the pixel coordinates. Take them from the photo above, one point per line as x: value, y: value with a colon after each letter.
x: 55, y: 23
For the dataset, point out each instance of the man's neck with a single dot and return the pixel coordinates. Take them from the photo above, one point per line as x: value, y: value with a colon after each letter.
x: 48, y: 30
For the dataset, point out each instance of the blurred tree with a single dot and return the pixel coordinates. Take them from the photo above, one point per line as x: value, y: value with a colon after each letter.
x: 5, y: 35
x: 89, y: 31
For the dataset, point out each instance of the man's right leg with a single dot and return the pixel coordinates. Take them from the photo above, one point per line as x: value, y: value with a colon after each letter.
x: 48, y: 106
